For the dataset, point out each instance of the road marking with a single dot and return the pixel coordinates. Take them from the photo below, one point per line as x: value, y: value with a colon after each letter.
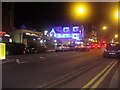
x: 64, y: 78
x: 103, y: 77
x: 89, y: 83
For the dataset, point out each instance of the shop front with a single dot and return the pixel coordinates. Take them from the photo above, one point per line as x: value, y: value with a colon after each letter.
x: 26, y: 36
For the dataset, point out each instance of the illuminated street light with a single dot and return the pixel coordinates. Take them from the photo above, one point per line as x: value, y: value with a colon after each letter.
x: 118, y: 14
x: 80, y: 10
x: 116, y: 36
x: 104, y: 28
x: 45, y: 32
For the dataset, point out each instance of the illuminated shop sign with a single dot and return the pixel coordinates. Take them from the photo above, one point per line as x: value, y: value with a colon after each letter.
x: 74, y: 33
x: 31, y: 34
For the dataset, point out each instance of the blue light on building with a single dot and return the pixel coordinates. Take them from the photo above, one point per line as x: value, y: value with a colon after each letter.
x: 38, y: 38
x: 74, y: 33
x: 76, y: 29
x: 66, y: 29
x: 44, y: 40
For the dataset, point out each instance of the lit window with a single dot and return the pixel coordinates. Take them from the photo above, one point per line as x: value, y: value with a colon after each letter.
x: 65, y: 29
x: 75, y: 28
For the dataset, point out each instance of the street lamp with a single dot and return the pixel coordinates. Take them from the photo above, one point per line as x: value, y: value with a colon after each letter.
x: 104, y: 27
x: 81, y: 10
x: 116, y: 36
x: 118, y: 14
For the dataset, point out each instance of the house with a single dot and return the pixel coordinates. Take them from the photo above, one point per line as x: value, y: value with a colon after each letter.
x: 67, y: 34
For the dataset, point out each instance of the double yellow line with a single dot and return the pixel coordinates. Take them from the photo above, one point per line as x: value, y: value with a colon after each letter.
x: 106, y: 71
x: 66, y: 77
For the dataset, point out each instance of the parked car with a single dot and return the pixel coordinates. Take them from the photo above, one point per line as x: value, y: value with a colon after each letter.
x: 33, y: 48
x: 82, y: 47
x: 72, y: 47
x: 62, y: 48
x: 95, y: 46
x: 15, y: 48
x: 112, y: 50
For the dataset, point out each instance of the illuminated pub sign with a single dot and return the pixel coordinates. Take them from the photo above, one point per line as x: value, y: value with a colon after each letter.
x: 74, y: 32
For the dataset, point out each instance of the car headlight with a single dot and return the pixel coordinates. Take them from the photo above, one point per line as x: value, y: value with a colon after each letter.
x: 33, y: 48
x: 118, y: 50
x: 105, y: 50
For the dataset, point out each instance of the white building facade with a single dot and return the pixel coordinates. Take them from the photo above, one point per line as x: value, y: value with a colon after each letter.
x: 66, y: 35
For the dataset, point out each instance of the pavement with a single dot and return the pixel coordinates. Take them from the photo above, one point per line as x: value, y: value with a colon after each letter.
x: 8, y: 60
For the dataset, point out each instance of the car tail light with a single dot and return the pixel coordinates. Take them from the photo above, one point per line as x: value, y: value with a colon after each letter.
x: 75, y: 46
x: 98, y: 46
x: 93, y: 46
x: 104, y: 46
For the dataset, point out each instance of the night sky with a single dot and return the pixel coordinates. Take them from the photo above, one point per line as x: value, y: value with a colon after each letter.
x: 40, y: 15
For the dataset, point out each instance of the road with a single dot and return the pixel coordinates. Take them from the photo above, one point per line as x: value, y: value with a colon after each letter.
x: 70, y: 69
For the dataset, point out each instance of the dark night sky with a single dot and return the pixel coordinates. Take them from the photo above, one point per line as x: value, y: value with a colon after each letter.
x: 42, y: 14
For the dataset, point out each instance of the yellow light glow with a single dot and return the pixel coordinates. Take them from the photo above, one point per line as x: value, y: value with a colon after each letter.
x: 80, y: 10
x: 2, y: 51
x: 117, y: 14
x: 104, y: 28
x: 116, y: 36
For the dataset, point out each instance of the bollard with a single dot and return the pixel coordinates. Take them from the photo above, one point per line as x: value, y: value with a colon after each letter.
x: 2, y: 51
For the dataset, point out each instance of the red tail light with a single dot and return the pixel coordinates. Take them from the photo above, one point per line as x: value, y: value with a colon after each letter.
x: 93, y: 46
x: 98, y: 46
x: 75, y: 46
